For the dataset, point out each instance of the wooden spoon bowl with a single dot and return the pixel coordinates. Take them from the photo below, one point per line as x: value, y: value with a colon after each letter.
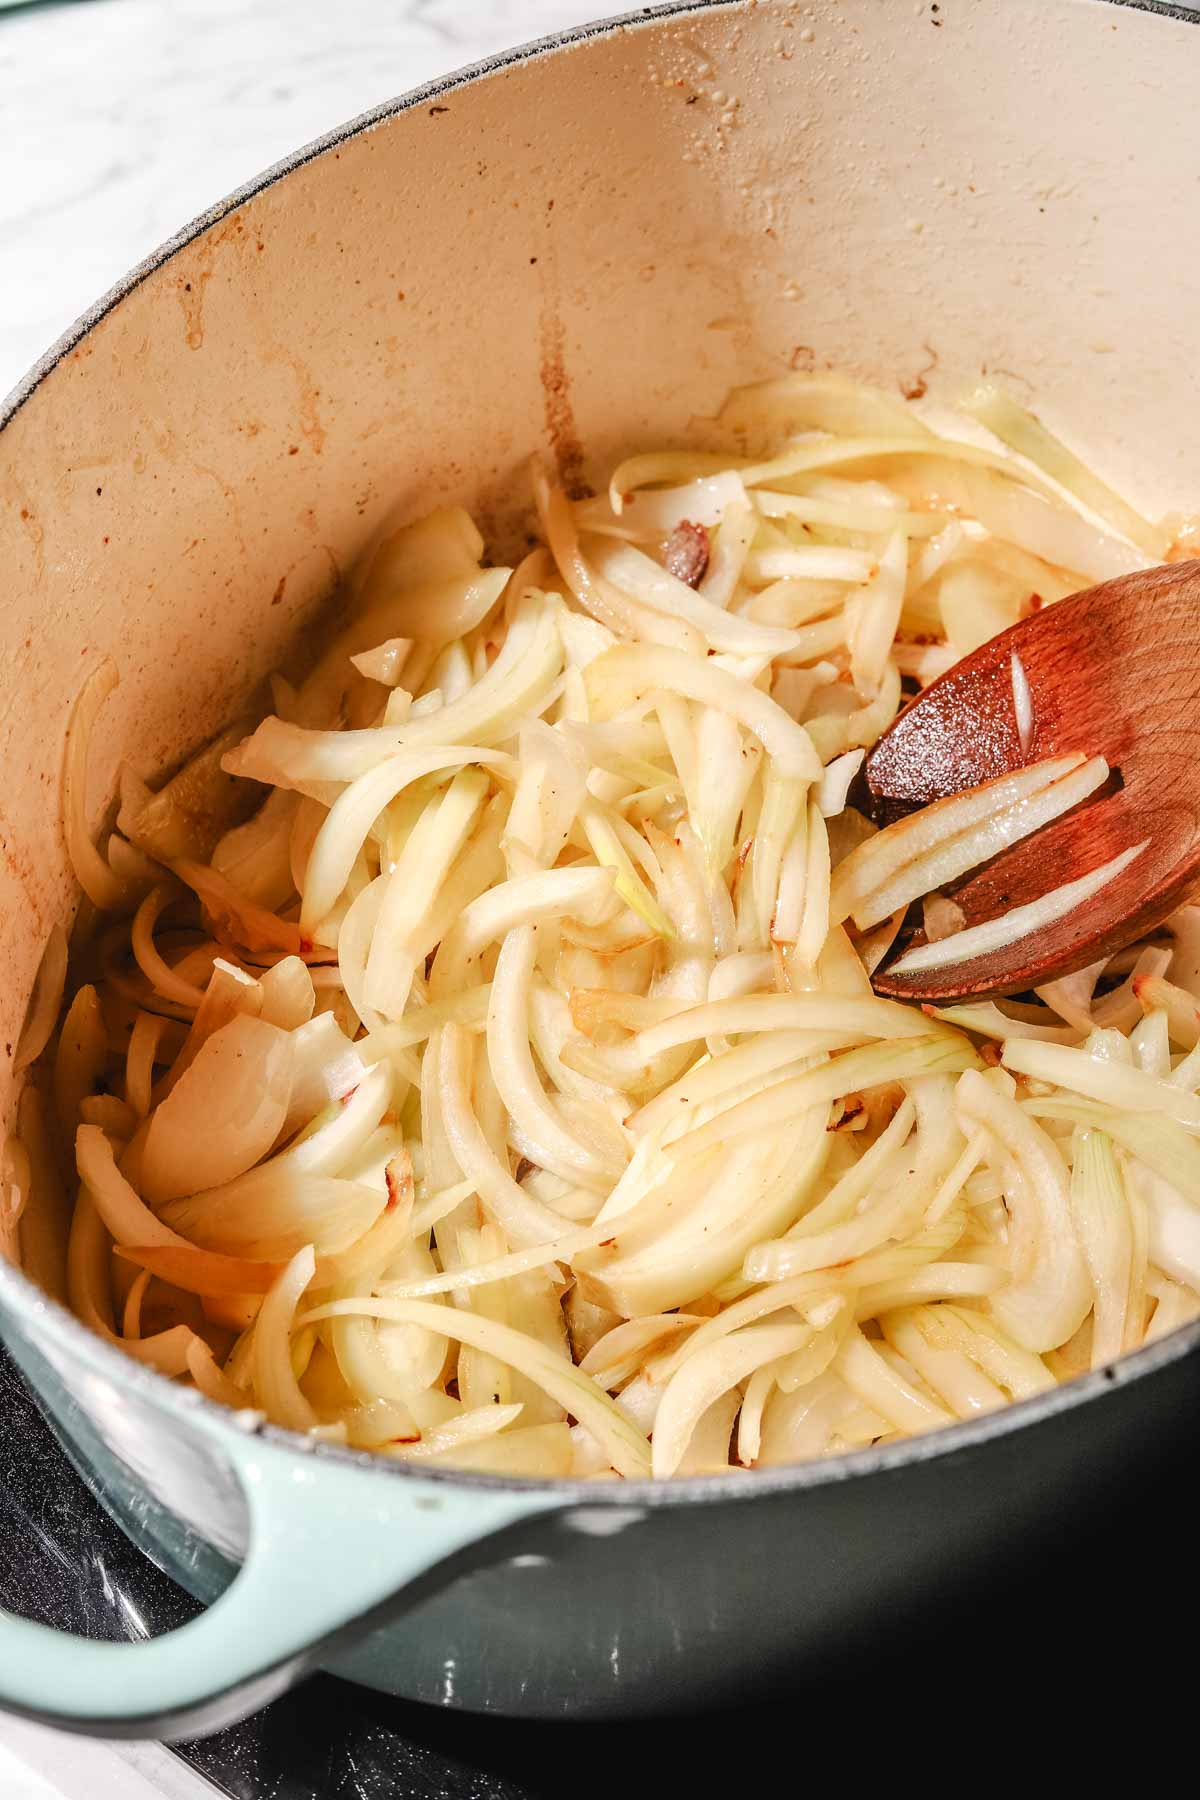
x: 1113, y: 671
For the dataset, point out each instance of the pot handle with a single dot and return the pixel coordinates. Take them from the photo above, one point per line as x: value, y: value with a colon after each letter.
x: 332, y: 1554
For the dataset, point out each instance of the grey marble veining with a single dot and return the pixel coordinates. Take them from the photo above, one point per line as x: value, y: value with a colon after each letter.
x: 122, y: 119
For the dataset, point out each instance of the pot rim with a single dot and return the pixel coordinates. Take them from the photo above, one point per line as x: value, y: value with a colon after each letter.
x: 50, y: 358
x: 38, y: 1315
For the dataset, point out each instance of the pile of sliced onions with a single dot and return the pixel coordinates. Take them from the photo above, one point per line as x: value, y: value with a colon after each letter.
x: 505, y: 1087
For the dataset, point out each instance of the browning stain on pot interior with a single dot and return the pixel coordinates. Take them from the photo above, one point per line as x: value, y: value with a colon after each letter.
x: 556, y: 393
x: 21, y: 503
x: 317, y: 574
x: 190, y: 288
x: 191, y: 298
x: 308, y: 395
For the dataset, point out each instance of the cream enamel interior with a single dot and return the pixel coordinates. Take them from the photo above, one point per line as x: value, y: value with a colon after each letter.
x: 585, y: 247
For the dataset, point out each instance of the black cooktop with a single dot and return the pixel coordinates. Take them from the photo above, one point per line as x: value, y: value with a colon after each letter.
x: 1095, y: 1623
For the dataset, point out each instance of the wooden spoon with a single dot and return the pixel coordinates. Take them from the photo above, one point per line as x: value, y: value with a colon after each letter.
x: 1113, y: 671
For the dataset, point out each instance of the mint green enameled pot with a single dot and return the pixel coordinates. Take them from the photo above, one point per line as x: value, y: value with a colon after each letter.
x: 580, y: 245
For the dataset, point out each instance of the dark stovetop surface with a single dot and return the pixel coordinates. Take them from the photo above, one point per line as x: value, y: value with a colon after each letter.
x: 1109, y: 1598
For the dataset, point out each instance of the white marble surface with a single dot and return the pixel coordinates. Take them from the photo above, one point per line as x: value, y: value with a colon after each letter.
x: 122, y: 119
x: 39, y: 1764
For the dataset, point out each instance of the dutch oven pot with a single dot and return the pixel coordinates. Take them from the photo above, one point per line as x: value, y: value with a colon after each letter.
x: 575, y: 248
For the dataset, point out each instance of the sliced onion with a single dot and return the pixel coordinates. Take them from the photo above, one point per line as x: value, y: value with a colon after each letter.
x: 880, y: 1385
x: 102, y: 887
x: 705, y: 501
x: 1115, y: 1084
x: 412, y: 888
x: 836, y: 781
x: 1020, y: 921
x: 696, y: 1223
x: 851, y: 1021
x: 192, y: 811
x: 593, y: 593
x: 767, y: 411
x: 637, y: 574
x: 582, y: 884
x: 514, y: 687
x: 948, y: 1373
x: 1105, y: 1229
x: 847, y: 1074
x: 223, y: 1114
x: 204, y: 1272
x: 709, y: 1374
x: 1027, y: 435
x: 45, y: 1002
x: 946, y: 861
x: 326, y: 1066
x: 274, y: 1381
x: 344, y: 830
x: 282, y: 1212
x: 1050, y: 1294
x: 289, y: 997
x: 441, y: 609
x: 525, y: 1221
x: 540, y: 1452
x: 881, y: 857
x: 627, y: 1447
x: 624, y: 675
